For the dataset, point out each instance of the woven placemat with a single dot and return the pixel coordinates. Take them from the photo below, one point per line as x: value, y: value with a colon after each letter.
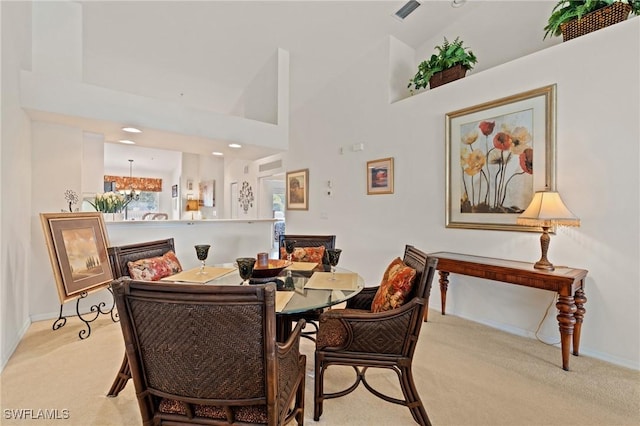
x: 282, y: 298
x: 302, y: 266
x: 322, y: 281
x: 193, y: 276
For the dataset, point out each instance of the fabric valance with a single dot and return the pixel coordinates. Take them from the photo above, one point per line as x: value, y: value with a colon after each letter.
x: 140, y: 183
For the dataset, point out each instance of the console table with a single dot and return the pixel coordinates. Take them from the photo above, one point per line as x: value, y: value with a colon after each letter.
x: 567, y: 282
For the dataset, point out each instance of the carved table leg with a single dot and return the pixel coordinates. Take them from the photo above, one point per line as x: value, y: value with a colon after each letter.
x: 444, y: 285
x: 566, y: 320
x: 580, y: 300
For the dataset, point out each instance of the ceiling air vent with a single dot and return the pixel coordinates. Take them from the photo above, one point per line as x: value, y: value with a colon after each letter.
x: 405, y: 10
x: 270, y: 166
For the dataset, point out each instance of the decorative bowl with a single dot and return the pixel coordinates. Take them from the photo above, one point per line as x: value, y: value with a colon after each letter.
x: 273, y: 268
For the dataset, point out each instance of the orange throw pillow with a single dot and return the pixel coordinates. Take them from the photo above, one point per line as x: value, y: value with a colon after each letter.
x: 396, y: 284
x: 154, y: 268
x: 305, y: 254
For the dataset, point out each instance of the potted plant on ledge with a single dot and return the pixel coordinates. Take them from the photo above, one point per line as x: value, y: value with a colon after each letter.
x: 573, y: 18
x: 451, y: 62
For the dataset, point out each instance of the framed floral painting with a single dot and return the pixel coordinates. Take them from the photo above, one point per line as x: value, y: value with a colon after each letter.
x: 77, y: 244
x: 498, y: 154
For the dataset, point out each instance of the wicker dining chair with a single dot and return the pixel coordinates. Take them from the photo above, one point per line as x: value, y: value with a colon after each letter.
x: 208, y: 354
x: 119, y: 257
x: 329, y: 242
x: 358, y: 338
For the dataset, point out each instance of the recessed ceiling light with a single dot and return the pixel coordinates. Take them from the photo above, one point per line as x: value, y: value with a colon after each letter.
x: 217, y: 153
x: 131, y: 130
x: 458, y: 3
x: 127, y: 141
x: 235, y: 145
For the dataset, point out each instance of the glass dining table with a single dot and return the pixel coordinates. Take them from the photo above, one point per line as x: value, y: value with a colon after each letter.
x: 306, y: 294
x: 301, y: 290
x: 298, y: 290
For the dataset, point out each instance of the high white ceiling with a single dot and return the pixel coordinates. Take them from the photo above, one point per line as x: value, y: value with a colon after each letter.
x: 221, y: 45
x: 227, y: 42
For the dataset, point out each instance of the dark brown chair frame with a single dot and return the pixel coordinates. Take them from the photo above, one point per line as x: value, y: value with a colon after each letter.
x: 243, y: 373
x: 119, y: 256
x: 377, y: 340
x: 329, y: 242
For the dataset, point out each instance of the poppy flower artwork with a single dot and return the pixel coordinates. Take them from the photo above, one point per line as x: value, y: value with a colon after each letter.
x: 496, y: 161
x: 492, y: 172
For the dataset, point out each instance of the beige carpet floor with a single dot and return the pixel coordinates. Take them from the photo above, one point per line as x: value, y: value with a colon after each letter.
x: 466, y: 373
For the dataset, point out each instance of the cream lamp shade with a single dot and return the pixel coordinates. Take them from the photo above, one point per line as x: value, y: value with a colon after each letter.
x: 547, y: 210
x: 192, y: 206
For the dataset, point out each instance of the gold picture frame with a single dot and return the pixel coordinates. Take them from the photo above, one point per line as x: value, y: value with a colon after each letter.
x: 491, y: 170
x: 298, y: 190
x: 77, y: 245
x: 380, y: 176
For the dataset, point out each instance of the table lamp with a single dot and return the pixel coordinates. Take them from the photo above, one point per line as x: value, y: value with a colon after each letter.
x: 546, y: 210
x: 192, y: 206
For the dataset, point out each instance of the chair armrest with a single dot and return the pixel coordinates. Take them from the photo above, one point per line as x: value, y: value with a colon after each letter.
x: 363, y: 300
x: 362, y: 331
x: 293, y: 341
x: 291, y: 367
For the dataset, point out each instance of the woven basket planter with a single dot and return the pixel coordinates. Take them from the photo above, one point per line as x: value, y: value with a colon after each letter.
x: 608, y: 15
x: 450, y: 74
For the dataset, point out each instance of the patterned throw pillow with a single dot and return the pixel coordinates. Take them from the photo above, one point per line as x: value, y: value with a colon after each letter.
x: 304, y: 254
x: 154, y: 268
x: 395, y: 286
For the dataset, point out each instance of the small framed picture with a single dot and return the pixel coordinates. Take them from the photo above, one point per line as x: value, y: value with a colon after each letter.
x: 174, y: 191
x: 380, y: 176
x: 77, y: 244
x: 298, y: 190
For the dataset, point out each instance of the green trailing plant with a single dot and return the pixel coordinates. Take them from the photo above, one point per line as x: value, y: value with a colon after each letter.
x: 447, y: 55
x: 568, y: 10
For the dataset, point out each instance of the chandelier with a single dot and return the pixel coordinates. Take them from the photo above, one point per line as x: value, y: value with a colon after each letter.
x: 131, y: 193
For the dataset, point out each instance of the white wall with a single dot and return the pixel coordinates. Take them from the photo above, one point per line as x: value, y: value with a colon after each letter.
x: 597, y: 175
x: 56, y: 166
x: 15, y: 182
x: 93, y: 164
x: 60, y: 86
x: 212, y: 168
x: 240, y: 171
x: 260, y: 98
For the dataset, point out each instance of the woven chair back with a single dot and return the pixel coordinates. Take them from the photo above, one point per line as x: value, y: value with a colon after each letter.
x: 328, y: 241
x: 212, y: 344
x: 119, y: 256
x: 425, y: 270
x: 419, y: 261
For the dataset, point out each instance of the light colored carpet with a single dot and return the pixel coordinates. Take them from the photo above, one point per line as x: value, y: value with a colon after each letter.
x: 466, y: 373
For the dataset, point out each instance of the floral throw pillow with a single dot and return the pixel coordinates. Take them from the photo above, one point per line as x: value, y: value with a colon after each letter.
x: 396, y: 284
x: 305, y: 254
x: 154, y: 268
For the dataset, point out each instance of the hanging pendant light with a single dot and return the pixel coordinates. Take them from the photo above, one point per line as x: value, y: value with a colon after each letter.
x: 131, y: 193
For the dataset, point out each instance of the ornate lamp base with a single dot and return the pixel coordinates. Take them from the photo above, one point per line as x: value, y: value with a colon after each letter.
x: 544, y: 263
